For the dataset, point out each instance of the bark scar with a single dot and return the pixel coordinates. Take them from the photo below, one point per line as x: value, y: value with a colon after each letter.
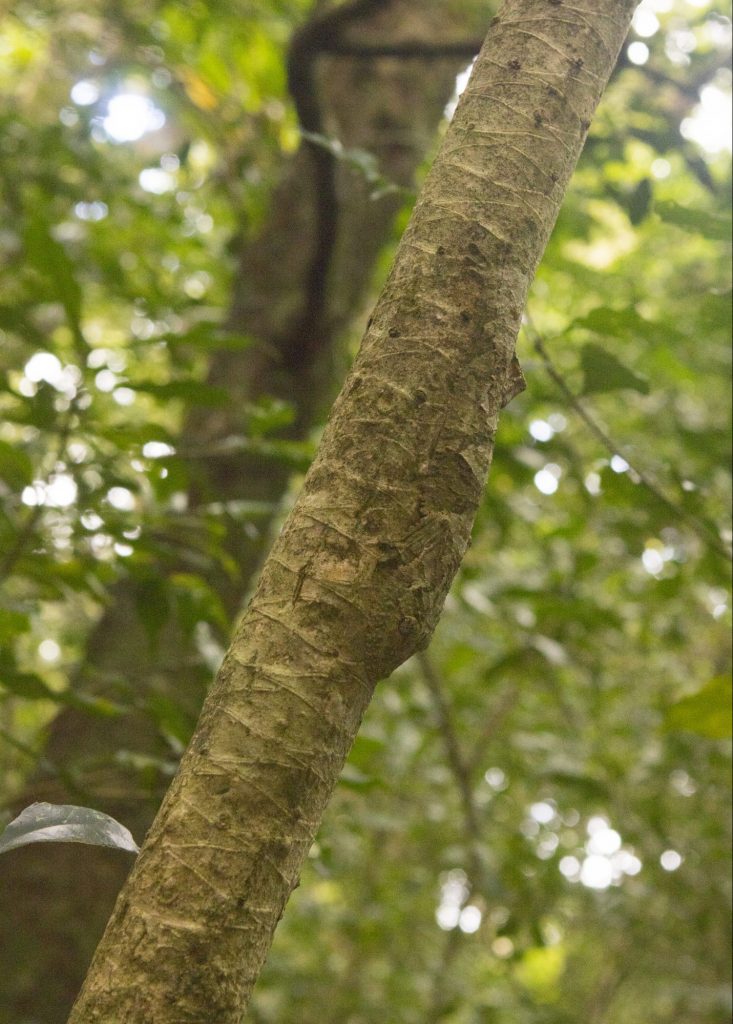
x: 515, y: 383
x: 302, y: 573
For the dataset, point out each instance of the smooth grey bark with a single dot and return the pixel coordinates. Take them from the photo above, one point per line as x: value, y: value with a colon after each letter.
x: 356, y: 581
x: 51, y: 912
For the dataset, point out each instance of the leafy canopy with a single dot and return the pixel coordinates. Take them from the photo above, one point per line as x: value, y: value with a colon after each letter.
x: 570, y: 865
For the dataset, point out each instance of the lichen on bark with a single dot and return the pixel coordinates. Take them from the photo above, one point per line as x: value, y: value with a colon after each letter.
x: 356, y: 581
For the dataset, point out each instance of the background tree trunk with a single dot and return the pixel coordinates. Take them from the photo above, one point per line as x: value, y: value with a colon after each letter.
x: 356, y: 581
x: 51, y: 913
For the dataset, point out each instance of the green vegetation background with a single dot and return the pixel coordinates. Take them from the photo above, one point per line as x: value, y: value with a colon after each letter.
x: 582, y: 663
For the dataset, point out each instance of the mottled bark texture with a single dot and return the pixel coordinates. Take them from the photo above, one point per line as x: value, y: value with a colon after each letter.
x: 356, y: 581
x: 52, y: 914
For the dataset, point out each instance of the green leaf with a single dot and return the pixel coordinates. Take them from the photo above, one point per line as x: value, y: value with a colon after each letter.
x: 353, y: 778
x: 168, y: 475
x: 296, y: 454
x: 188, y: 390
x: 366, y: 163
x: 627, y: 324
x: 12, y: 623
x: 206, y: 335
x: 540, y: 970
x: 697, y: 222
x: 152, y: 602
x: 31, y: 686
x: 584, y: 785
x: 714, y: 311
x: 27, y: 685
x: 170, y: 718
x: 15, y: 466
x: 195, y: 602
x: 268, y: 415
x: 639, y: 202
x: 65, y: 823
x: 707, y: 712
x: 365, y: 750
x: 602, y: 372
x: 50, y: 258
x: 40, y: 410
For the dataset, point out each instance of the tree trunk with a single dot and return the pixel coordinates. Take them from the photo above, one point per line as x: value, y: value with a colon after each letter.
x: 51, y: 913
x: 356, y: 581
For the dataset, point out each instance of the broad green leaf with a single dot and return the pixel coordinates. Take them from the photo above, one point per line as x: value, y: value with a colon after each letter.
x: 697, y: 222
x: 707, y: 712
x: 627, y: 324
x: 65, y: 823
x: 603, y: 372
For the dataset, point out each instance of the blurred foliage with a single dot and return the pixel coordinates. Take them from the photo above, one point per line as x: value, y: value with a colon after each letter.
x: 569, y: 864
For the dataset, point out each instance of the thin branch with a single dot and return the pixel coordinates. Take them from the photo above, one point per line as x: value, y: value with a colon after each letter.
x: 688, y: 89
x: 17, y: 548
x: 462, y: 775
x: 704, y: 532
x: 451, y: 946
x: 613, y: 979
x: 459, y: 765
x: 462, y: 771
x: 492, y: 725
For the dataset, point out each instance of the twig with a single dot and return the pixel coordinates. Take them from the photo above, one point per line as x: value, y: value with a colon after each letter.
x: 17, y: 548
x: 704, y: 532
x: 464, y: 768
x: 491, y: 726
x: 438, y: 1008
x: 462, y: 775
x: 459, y: 764
x: 45, y: 762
